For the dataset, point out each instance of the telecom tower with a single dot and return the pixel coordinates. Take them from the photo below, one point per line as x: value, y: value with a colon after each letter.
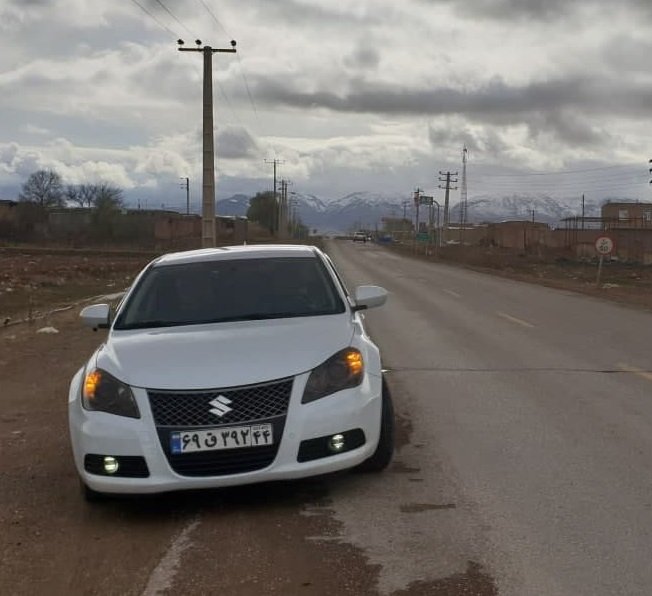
x: 463, y: 194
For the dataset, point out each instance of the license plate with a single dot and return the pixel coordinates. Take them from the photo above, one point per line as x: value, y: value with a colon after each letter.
x: 233, y: 437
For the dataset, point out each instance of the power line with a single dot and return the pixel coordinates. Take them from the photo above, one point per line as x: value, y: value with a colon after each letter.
x: 160, y: 3
x: 242, y: 71
x: 581, y: 180
x: 560, y: 172
x: 210, y: 12
x: 154, y: 18
x: 577, y: 185
x: 244, y: 78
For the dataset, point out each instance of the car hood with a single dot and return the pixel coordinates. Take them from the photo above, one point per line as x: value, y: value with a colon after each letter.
x: 224, y: 354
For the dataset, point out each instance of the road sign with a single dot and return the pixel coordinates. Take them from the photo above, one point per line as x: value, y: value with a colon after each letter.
x: 424, y: 200
x: 604, y: 245
x: 423, y: 237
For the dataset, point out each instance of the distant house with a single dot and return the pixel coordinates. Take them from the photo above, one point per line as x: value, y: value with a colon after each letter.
x: 517, y: 234
x: 627, y: 215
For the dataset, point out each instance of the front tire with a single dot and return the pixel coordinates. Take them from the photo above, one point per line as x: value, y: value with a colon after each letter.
x: 382, y: 457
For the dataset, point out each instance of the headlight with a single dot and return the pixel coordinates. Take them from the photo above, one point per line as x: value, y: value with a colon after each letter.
x: 341, y: 371
x: 102, y: 392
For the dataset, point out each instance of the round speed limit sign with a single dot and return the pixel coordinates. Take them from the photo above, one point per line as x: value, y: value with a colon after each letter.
x: 604, y: 245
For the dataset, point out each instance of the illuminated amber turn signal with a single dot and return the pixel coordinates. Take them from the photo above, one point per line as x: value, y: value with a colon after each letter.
x: 354, y: 362
x: 91, y: 383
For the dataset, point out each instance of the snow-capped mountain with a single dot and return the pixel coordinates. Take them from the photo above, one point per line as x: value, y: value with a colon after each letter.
x: 367, y: 209
x: 491, y: 208
x: 235, y: 205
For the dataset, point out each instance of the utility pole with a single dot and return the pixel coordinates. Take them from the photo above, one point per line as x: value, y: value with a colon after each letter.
x: 463, y: 196
x: 448, y: 180
x: 417, y: 196
x: 282, y: 227
x: 582, y: 210
x: 283, y: 217
x: 187, y: 186
x: 208, y: 160
x: 275, y: 162
x: 405, y: 206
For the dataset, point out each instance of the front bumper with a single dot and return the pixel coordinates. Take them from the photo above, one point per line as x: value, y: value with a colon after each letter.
x: 107, y: 434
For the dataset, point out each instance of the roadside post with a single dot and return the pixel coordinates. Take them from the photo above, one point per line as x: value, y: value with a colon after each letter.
x: 604, y: 246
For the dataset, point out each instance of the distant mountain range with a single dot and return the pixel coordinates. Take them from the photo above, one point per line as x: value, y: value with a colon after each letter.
x: 366, y: 210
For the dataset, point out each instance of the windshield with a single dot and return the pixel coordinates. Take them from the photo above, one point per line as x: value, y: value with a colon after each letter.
x: 231, y: 290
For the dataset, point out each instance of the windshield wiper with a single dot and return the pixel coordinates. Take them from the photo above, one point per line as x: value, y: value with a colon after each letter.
x: 247, y: 317
x: 150, y: 324
x: 233, y: 319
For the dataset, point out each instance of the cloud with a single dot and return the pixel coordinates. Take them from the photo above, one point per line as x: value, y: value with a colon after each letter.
x: 368, y: 93
x: 453, y: 133
x: 491, y: 101
x: 530, y: 10
x: 236, y: 143
x: 364, y: 57
x: 297, y: 12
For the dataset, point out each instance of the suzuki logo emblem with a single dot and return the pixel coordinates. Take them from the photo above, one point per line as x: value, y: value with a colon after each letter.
x: 220, y: 406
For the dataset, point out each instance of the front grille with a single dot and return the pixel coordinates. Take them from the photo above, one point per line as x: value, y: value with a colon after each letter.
x: 188, y: 410
x: 192, y: 408
x: 222, y: 463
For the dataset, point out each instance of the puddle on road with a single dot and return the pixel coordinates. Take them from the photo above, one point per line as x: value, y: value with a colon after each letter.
x: 401, y: 468
x: 419, y: 507
x: 474, y: 582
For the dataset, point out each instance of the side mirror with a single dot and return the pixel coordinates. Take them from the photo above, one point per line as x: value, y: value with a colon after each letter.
x: 369, y: 297
x: 96, y: 316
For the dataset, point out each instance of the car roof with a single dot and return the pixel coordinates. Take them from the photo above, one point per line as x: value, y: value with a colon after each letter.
x: 225, y: 253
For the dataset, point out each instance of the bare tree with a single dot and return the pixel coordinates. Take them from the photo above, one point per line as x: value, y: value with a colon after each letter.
x: 108, y: 196
x: 43, y: 187
x: 84, y: 195
x: 72, y: 194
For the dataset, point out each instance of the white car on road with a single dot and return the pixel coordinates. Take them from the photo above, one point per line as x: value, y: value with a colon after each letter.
x: 230, y: 366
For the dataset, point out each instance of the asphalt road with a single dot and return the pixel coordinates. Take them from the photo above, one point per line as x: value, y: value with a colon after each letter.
x: 522, y: 466
x: 531, y: 413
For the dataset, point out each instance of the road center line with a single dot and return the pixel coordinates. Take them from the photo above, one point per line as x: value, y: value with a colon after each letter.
x: 162, y: 578
x: 637, y: 371
x: 452, y: 293
x: 515, y: 320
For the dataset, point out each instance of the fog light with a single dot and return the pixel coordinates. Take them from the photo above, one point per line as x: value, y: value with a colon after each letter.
x: 110, y: 464
x: 336, y: 443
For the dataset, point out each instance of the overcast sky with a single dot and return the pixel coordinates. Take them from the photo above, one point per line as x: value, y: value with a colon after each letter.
x: 364, y: 95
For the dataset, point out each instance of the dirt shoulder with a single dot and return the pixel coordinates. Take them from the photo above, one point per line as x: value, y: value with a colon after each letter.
x: 35, y: 281
x: 624, y: 283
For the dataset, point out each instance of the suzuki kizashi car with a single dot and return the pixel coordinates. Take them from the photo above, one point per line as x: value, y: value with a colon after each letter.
x: 230, y: 366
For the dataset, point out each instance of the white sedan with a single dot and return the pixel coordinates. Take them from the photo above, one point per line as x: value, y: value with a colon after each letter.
x: 230, y: 366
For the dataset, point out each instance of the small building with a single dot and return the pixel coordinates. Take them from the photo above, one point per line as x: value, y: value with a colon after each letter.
x: 519, y: 235
x: 619, y: 215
